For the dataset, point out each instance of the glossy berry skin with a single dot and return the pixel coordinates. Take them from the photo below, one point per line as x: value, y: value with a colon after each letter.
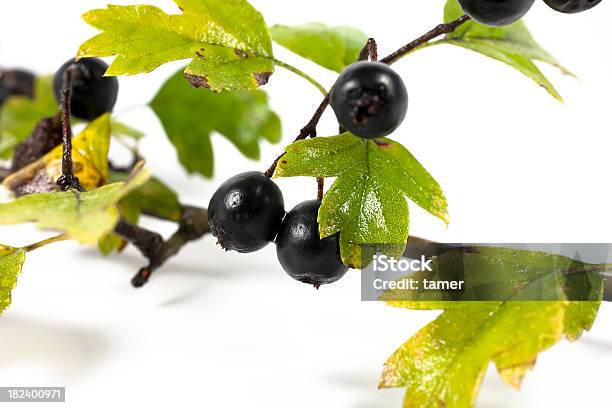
x: 93, y: 94
x: 370, y: 99
x: 572, y: 6
x: 302, y: 254
x: 16, y: 82
x: 245, y: 213
x: 496, y: 13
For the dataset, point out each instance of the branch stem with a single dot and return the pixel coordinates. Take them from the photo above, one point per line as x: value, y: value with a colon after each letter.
x: 437, y: 31
x: 192, y: 226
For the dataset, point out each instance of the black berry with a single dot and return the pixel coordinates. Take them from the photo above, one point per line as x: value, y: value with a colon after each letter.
x: 370, y: 99
x: 16, y: 82
x: 303, y: 255
x: 572, y: 6
x: 245, y: 213
x: 496, y: 12
x: 93, y: 94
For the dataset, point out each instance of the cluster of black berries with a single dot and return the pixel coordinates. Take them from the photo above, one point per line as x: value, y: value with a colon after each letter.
x: 248, y: 211
x: 504, y: 12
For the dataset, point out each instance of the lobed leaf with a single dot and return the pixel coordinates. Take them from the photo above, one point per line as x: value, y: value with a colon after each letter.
x: 11, y: 262
x: 228, y: 41
x: 444, y: 363
x: 513, y: 45
x: 190, y: 117
x: 367, y: 202
x: 331, y: 47
x: 85, y: 217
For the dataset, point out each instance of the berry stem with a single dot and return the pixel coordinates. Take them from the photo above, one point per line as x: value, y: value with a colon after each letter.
x: 67, y: 180
x: 320, y: 188
x: 369, y: 50
x: 439, y: 30
x: 302, y: 74
x: 192, y: 226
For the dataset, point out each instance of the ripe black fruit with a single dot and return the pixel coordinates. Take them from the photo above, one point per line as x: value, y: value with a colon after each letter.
x: 16, y: 82
x: 93, y: 94
x: 572, y: 6
x: 245, y: 212
x: 496, y: 12
x: 370, y: 99
x: 303, y: 255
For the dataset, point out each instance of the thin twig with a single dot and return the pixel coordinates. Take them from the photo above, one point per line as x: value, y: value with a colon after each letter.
x: 310, y: 130
x: 439, y: 30
x: 192, y: 226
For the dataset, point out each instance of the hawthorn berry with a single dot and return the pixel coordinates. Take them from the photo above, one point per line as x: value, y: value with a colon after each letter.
x: 302, y: 253
x: 572, y: 6
x: 245, y: 213
x: 370, y: 99
x: 93, y: 94
x: 16, y: 82
x: 496, y: 12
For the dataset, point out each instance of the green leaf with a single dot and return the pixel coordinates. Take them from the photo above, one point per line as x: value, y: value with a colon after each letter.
x: 227, y: 39
x: 11, y: 262
x: 89, y: 154
x: 513, y: 45
x: 444, y: 363
x: 331, y: 47
x: 367, y: 202
x: 83, y: 216
x: 20, y: 114
x: 190, y: 116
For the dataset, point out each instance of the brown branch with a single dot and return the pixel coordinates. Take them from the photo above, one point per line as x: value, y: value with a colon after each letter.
x: 310, y: 130
x: 67, y: 180
x: 192, y: 226
x: 425, y: 38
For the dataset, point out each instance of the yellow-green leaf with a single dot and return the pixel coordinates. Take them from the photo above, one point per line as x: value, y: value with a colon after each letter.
x: 90, y: 158
x: 11, y: 262
x: 444, y: 363
x: 228, y: 41
x: 367, y: 202
x: 83, y: 216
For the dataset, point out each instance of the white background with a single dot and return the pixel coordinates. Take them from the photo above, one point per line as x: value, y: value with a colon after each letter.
x: 219, y: 329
